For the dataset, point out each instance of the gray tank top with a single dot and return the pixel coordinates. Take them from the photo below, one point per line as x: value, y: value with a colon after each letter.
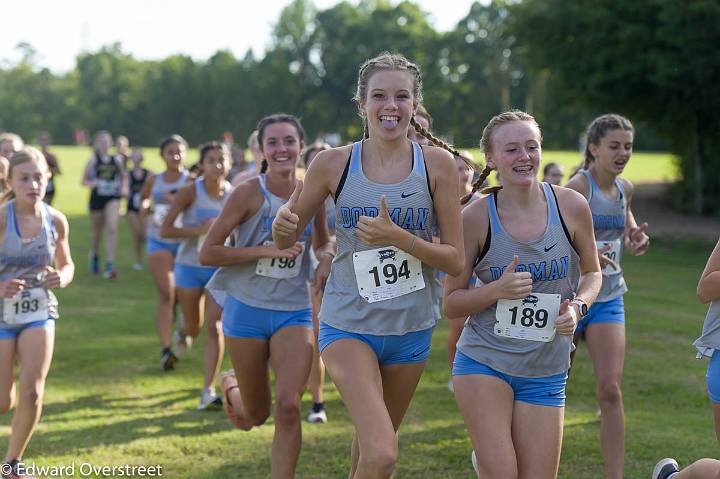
x: 709, y: 340
x: 410, y: 205
x: 609, y: 216
x: 555, y: 267
x: 202, y: 209
x: 260, y: 291
x: 26, y: 258
x: 159, y: 189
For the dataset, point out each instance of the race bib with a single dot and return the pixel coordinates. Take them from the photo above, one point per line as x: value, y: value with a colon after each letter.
x: 27, y: 306
x: 107, y: 188
x: 280, y: 268
x: 532, y: 318
x: 613, y: 253
x: 386, y: 273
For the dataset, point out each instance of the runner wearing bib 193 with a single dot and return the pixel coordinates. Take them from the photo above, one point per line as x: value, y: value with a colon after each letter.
x: 266, y: 315
x: 379, y: 305
x: 199, y: 203
x: 161, y: 252
x: 609, y: 148
x: 531, y: 247
x: 34, y: 258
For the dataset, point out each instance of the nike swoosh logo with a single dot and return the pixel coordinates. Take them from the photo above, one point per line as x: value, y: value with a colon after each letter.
x: 556, y: 394
x: 403, y: 195
x: 419, y: 353
x: 548, y: 249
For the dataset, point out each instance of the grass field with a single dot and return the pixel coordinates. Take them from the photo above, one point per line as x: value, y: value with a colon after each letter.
x: 108, y: 403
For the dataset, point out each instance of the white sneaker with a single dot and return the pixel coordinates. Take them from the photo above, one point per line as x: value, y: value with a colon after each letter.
x: 451, y: 386
x: 318, y: 416
x: 209, y: 400
x: 473, y: 459
x: 665, y: 468
x: 181, y: 342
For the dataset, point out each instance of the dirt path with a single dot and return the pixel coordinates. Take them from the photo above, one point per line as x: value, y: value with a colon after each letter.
x: 651, y: 205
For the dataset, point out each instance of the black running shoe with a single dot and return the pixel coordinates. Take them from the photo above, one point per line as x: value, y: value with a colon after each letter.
x: 665, y: 468
x: 168, y: 359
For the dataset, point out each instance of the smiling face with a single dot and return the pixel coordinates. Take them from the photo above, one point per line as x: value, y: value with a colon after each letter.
x: 174, y: 155
x: 614, y: 151
x: 281, y: 146
x: 28, y: 181
x: 215, y: 164
x: 389, y: 103
x: 515, y: 152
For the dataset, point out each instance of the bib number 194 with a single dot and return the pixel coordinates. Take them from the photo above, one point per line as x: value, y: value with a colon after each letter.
x: 386, y: 273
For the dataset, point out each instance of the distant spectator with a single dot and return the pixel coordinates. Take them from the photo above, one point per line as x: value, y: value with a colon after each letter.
x: 553, y: 173
x: 122, y: 150
x: 10, y: 143
x: 53, y: 165
x: 4, y: 168
x: 256, y: 164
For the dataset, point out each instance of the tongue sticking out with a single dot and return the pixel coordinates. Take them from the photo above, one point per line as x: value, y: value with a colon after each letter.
x: 388, y: 124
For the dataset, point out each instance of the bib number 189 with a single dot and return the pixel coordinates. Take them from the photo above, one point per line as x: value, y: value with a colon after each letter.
x: 529, y: 317
x: 532, y: 318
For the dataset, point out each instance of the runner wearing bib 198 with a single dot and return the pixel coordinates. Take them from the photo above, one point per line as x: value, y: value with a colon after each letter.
x: 379, y: 306
x: 161, y: 252
x: 609, y: 147
x: 199, y: 203
x: 34, y: 258
x: 531, y: 247
x: 266, y: 315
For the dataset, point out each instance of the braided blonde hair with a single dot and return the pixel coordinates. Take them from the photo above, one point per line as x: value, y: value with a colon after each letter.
x: 486, y: 146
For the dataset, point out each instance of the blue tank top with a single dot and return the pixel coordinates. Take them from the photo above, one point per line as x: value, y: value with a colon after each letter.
x: 410, y: 205
x: 26, y: 258
x: 555, y: 269
x: 161, y: 204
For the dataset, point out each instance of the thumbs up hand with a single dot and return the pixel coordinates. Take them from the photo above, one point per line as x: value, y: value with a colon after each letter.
x: 637, y: 241
x: 378, y: 230
x: 285, y: 224
x: 513, y: 285
x: 567, y: 320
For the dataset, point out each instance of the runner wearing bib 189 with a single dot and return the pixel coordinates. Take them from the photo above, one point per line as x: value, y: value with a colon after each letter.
x: 531, y: 247
x: 161, y: 252
x: 267, y: 320
x: 380, y: 303
x: 34, y: 258
x: 609, y: 147
x: 199, y: 204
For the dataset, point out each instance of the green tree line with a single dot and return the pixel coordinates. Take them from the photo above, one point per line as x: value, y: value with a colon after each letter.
x: 565, y: 62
